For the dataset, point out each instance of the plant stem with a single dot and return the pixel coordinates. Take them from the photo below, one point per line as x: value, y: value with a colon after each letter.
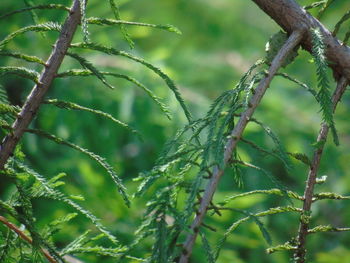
x: 37, y: 94
x: 291, y: 16
x: 236, y: 134
x: 25, y: 238
x: 300, y: 253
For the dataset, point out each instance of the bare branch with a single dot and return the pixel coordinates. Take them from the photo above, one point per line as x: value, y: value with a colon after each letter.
x: 236, y: 134
x: 291, y: 16
x: 37, y: 94
x: 311, y: 181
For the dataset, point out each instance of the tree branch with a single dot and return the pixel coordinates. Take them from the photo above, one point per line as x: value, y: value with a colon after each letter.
x: 25, y: 238
x: 236, y: 134
x: 311, y: 181
x: 37, y: 94
x: 291, y: 16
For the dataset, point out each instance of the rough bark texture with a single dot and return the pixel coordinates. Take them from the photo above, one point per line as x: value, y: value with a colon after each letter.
x: 291, y: 16
x: 37, y: 94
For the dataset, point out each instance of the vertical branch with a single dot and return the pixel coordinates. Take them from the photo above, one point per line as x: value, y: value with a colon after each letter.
x: 311, y: 180
x: 236, y: 134
x: 37, y: 94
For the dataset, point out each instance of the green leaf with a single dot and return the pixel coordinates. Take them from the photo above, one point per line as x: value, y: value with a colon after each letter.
x: 88, y: 65
x: 107, y: 21
x: 326, y: 5
x: 29, y: 8
x: 324, y: 96
x: 22, y: 72
x: 342, y: 20
x: 86, y: 73
x: 121, y: 188
x: 207, y: 248
x: 24, y: 57
x: 34, y: 16
x: 301, y: 157
x: 274, y: 45
x: 287, y: 246
x: 73, y: 106
x: 45, y: 27
x: 49, y: 192
x: 315, y: 4
x: 115, y: 10
x: 166, y: 78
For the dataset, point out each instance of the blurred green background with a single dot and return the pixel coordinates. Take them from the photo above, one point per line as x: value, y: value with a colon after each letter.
x: 220, y: 40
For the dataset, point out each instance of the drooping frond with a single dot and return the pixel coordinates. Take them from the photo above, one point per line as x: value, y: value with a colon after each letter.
x: 274, y: 191
x: 57, y: 224
x: 73, y: 106
x: 298, y: 82
x: 22, y: 56
x: 45, y: 27
x: 342, y: 20
x: 110, y: 22
x: 207, y: 248
x: 116, y: 13
x: 327, y: 228
x: 121, y: 188
x: 315, y: 4
x: 277, y: 183
x: 274, y: 45
x: 88, y: 65
x: 25, y: 216
x: 326, y: 5
x: 288, y: 246
x: 271, y: 211
x: 159, y: 72
x: 20, y: 71
x: 49, y: 191
x: 33, y: 14
x: 301, y: 157
x: 80, y: 245
x: 324, y: 96
x: 43, y: 7
x: 85, y: 73
x: 280, y: 151
x: 8, y: 112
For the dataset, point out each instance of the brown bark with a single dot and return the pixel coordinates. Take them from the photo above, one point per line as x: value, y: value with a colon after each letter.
x: 291, y: 16
x: 236, y: 134
x: 37, y: 94
x: 312, y: 175
x: 20, y: 233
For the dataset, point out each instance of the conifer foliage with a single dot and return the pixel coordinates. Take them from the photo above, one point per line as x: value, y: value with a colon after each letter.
x: 179, y: 189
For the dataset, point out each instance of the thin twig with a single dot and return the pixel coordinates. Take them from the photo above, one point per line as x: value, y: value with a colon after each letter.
x: 236, y: 134
x: 25, y: 238
x: 311, y: 181
x: 37, y: 94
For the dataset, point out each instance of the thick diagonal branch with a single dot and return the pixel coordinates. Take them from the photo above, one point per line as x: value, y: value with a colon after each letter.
x: 311, y: 181
x: 291, y: 16
x: 37, y: 94
x: 291, y: 43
